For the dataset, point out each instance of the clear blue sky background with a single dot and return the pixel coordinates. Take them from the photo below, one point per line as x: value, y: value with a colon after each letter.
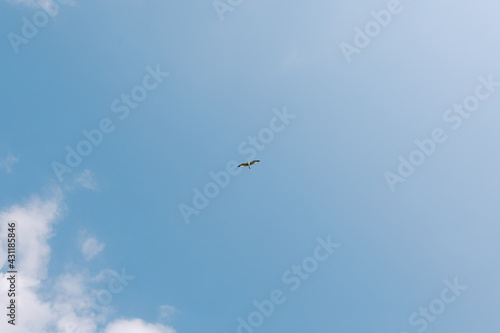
x: 323, y: 175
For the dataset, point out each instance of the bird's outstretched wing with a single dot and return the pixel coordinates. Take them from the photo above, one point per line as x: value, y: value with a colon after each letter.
x: 242, y: 164
x: 253, y: 162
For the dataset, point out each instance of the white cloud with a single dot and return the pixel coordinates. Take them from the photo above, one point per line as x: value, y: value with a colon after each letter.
x: 34, y: 221
x: 54, y: 303
x: 33, y: 224
x: 136, y: 325
x: 7, y: 162
x: 91, y: 247
x: 69, y: 296
x: 86, y: 179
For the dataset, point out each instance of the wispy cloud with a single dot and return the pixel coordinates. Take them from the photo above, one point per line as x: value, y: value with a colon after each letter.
x: 54, y: 303
x: 166, y: 312
x: 8, y: 162
x: 47, y: 5
x: 91, y: 247
x: 86, y: 179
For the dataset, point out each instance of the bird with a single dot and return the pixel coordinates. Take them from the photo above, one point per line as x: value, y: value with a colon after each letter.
x: 248, y: 163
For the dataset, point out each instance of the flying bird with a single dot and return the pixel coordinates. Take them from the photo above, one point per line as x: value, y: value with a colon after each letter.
x: 248, y: 163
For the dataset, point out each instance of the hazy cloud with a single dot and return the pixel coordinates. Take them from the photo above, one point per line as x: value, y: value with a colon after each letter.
x: 86, y: 179
x: 7, y: 162
x: 91, y: 247
x: 166, y: 312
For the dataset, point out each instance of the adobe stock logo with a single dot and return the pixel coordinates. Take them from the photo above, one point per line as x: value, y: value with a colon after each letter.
x: 381, y: 19
x: 293, y: 277
x: 103, y: 297
x: 30, y: 28
x: 454, y: 116
x: 420, y: 320
x: 248, y: 149
x: 121, y: 106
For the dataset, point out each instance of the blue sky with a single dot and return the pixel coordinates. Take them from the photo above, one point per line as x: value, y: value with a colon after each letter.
x: 356, y: 219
